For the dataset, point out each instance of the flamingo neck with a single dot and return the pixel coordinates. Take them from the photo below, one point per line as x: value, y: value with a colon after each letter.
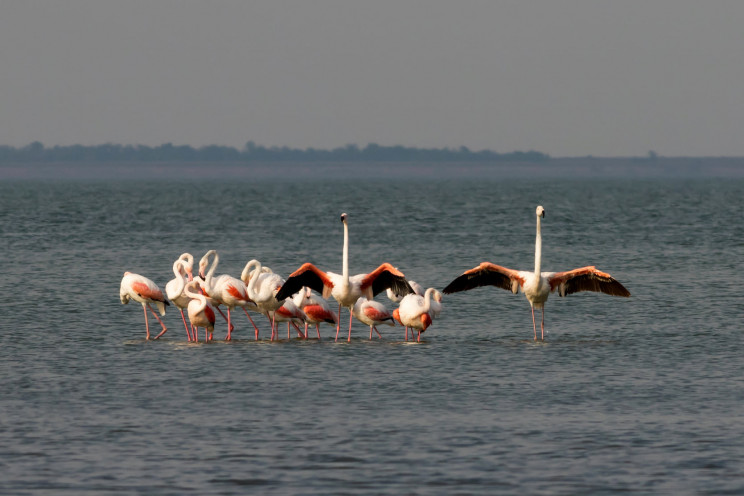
x: 178, y: 270
x: 196, y: 296
x: 251, y: 286
x: 212, y: 268
x: 538, y: 249
x: 345, y: 266
x: 427, y: 299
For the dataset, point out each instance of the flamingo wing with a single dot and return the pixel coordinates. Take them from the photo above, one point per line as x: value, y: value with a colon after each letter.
x: 318, y: 313
x: 148, y: 291
x: 487, y: 274
x: 307, y: 275
x: 377, y: 313
x: 586, y: 279
x: 386, y: 276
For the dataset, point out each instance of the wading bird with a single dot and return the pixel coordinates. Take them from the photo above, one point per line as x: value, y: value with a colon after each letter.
x: 537, y: 285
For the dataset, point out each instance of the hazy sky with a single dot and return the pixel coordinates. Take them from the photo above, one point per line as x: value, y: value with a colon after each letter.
x: 565, y: 77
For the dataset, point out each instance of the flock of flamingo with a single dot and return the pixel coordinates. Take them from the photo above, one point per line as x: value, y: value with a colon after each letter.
x: 293, y: 301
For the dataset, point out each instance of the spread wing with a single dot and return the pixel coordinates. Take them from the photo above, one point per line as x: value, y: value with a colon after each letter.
x: 386, y: 276
x: 487, y: 274
x: 307, y: 275
x: 586, y: 279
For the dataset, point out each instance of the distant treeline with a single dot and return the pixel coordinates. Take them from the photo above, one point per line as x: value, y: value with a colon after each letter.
x: 37, y: 152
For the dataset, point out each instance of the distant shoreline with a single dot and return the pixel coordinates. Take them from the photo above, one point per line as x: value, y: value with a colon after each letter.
x: 553, y: 168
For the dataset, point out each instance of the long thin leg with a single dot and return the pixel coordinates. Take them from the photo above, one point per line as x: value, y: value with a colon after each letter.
x: 378, y: 332
x: 161, y: 322
x: 351, y: 315
x: 418, y: 340
x: 230, y: 327
x: 226, y: 319
x: 188, y: 334
x: 338, y: 326
x: 147, y: 324
x: 254, y: 324
x: 534, y: 327
x: 299, y: 331
x: 542, y: 325
x: 317, y: 328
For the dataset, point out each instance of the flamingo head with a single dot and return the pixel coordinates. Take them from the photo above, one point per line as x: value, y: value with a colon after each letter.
x: 437, y: 296
x: 204, y: 262
x: 344, y: 216
x: 540, y: 211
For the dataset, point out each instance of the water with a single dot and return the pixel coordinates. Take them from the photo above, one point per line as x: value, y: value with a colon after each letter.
x: 640, y: 395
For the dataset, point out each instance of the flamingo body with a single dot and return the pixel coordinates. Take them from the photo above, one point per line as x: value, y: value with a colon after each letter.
x: 200, y: 312
x: 372, y: 313
x: 145, y: 291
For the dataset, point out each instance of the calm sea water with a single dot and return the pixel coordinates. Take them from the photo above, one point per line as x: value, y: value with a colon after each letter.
x: 641, y: 395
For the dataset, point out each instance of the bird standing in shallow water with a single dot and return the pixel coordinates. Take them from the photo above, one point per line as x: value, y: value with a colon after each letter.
x: 372, y: 313
x: 139, y: 288
x: 538, y: 285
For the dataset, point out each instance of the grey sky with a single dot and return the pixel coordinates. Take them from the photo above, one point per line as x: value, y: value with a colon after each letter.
x: 566, y: 77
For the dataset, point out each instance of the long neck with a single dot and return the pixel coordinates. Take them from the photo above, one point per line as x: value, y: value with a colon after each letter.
x: 196, y: 296
x: 178, y: 269
x: 345, y: 268
x: 212, y: 268
x: 538, y: 249
x: 252, y: 278
x: 427, y: 299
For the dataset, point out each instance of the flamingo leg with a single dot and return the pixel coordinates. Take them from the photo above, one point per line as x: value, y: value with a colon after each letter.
x: 317, y: 328
x: 378, y: 332
x: 161, y: 322
x: 188, y: 334
x: 254, y: 324
x: 418, y: 340
x: 147, y: 324
x: 338, y: 326
x: 230, y: 327
x: 534, y: 327
x: 299, y: 332
x: 226, y: 318
x: 351, y: 315
x: 542, y: 325
x: 370, y: 333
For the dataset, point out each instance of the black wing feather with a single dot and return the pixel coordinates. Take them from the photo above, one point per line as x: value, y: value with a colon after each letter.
x: 596, y: 283
x: 386, y: 280
x: 479, y: 277
x: 295, y: 283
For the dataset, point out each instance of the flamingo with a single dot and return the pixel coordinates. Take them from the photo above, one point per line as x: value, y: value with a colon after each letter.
x: 395, y: 298
x: 225, y: 289
x: 139, y: 288
x: 418, y: 312
x: 316, y: 309
x: 345, y: 290
x: 372, y: 313
x: 288, y: 312
x: 261, y: 286
x: 174, y: 288
x: 537, y: 285
x: 200, y: 313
